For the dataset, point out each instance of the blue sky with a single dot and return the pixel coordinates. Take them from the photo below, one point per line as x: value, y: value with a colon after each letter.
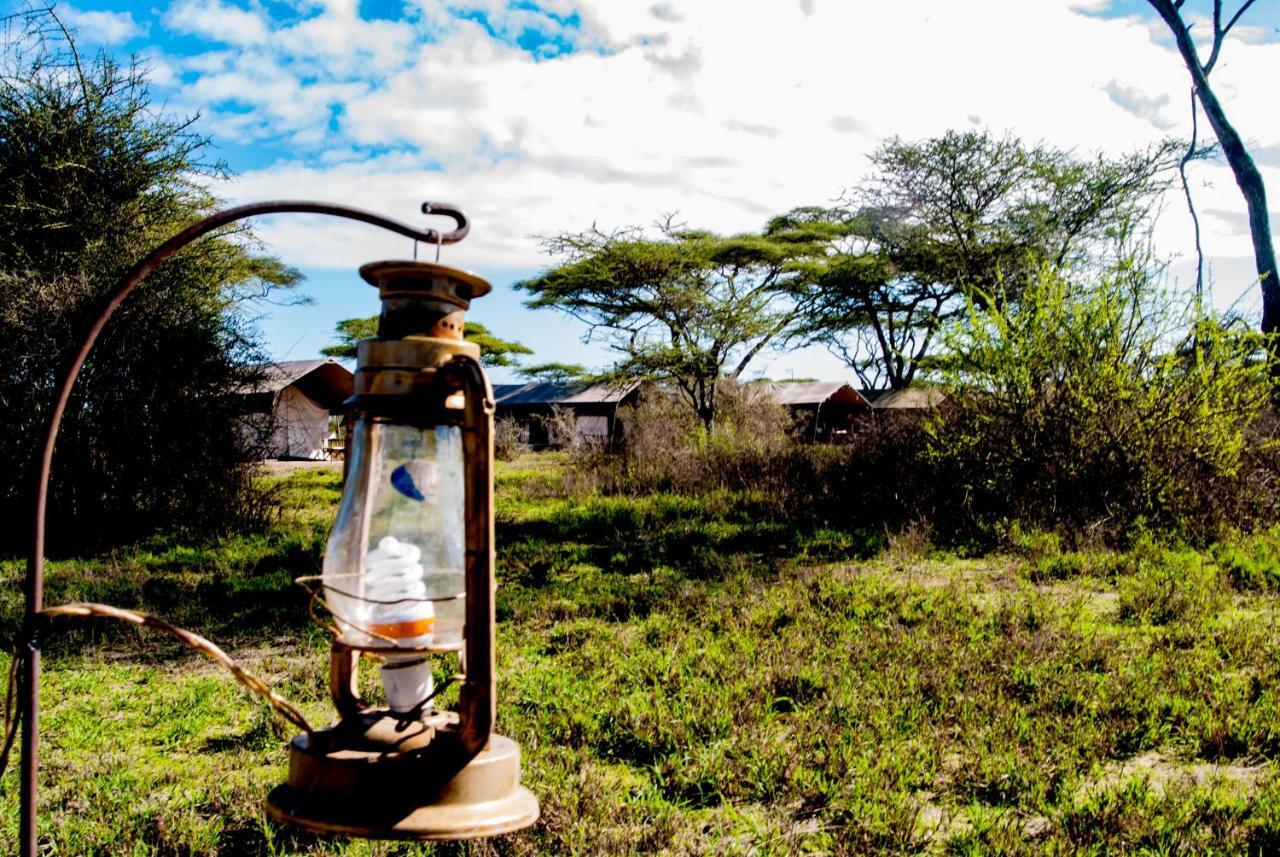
x: 540, y: 117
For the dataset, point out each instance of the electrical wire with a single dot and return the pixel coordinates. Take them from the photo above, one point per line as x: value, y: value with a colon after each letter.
x: 255, y: 685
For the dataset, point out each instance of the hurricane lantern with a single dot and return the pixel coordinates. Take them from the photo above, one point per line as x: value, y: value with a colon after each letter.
x: 408, y: 580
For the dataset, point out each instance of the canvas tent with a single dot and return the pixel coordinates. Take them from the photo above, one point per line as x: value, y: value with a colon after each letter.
x: 293, y: 403
x: 913, y: 400
x: 594, y: 407
x: 907, y: 407
x: 824, y: 409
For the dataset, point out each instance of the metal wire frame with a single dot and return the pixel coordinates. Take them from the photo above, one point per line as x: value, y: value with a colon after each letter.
x: 316, y: 594
x: 28, y: 647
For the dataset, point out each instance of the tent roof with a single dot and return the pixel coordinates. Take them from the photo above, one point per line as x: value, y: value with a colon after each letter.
x: 277, y: 376
x: 327, y: 382
x: 816, y: 393
x: 532, y: 393
x: 601, y: 393
x: 912, y: 398
x: 548, y: 393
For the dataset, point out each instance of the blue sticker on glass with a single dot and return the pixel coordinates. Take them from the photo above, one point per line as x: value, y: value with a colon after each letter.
x: 402, y: 481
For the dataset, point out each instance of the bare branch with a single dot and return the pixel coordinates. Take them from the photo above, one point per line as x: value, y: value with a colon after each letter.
x: 1186, y: 190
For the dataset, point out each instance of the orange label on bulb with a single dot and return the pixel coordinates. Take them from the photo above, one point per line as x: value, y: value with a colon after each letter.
x: 410, y: 628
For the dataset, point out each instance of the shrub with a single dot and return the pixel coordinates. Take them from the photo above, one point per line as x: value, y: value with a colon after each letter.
x: 875, y: 483
x: 1169, y: 586
x: 91, y: 178
x: 1089, y: 407
x: 508, y: 439
x: 1252, y: 561
x: 562, y: 428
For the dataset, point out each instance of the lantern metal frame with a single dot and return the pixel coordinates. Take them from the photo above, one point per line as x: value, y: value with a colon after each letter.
x: 473, y: 736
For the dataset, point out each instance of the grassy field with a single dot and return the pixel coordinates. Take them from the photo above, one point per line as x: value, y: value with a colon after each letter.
x: 685, y: 675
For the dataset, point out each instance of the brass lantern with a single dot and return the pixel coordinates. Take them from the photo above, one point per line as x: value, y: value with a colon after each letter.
x: 409, y: 579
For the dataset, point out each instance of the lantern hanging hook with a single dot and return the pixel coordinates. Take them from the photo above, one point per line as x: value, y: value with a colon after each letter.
x: 440, y: 238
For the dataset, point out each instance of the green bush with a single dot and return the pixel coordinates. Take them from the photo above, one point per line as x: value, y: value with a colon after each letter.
x: 1097, y: 405
x: 92, y: 177
x: 1252, y: 562
x: 1170, y: 586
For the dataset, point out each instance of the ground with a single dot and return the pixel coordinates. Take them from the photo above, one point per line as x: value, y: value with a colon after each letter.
x: 688, y: 676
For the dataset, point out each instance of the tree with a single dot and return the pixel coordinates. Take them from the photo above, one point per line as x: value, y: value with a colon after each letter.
x: 349, y: 332
x: 554, y: 373
x: 683, y: 306
x: 965, y: 214
x: 493, y: 351
x: 1246, y: 173
x: 92, y: 177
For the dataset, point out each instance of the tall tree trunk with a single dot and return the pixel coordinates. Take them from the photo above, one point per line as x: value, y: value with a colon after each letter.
x: 1255, y: 197
x: 707, y: 414
x: 1242, y: 167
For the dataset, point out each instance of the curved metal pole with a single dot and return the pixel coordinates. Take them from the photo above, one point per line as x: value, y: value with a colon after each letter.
x: 30, y: 707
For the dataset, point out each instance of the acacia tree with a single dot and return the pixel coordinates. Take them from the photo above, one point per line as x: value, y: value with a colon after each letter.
x: 684, y: 306
x: 964, y: 214
x: 1246, y: 173
x: 493, y: 350
x: 555, y: 373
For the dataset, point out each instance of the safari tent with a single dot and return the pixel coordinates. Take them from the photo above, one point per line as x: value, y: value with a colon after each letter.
x: 825, y: 410
x: 292, y: 404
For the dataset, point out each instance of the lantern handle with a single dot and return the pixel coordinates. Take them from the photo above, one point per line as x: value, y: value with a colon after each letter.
x: 28, y: 649
x: 446, y: 209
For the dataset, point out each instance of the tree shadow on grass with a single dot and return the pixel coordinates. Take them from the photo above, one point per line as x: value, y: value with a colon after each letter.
x: 696, y: 544
x: 612, y: 557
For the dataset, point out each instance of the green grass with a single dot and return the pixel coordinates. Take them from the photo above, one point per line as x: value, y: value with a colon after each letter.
x: 687, y: 675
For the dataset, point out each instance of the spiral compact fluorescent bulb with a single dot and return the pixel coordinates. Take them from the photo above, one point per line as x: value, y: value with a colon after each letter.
x: 395, y: 593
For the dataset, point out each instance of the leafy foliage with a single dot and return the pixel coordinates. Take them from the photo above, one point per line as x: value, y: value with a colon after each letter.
x: 554, y: 373
x: 965, y: 214
x: 494, y: 351
x: 91, y: 178
x: 1092, y: 406
x: 349, y: 332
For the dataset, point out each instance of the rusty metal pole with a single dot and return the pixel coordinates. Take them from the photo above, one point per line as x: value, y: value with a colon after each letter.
x: 29, y: 645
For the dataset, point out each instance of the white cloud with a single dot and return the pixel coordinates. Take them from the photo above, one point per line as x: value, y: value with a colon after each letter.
x: 713, y: 109
x: 217, y: 21
x: 104, y: 28
x: 1140, y: 104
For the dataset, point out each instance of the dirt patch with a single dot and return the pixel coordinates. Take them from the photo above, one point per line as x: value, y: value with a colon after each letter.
x: 1103, y: 603
x: 1161, y: 770
x: 274, y: 467
x: 938, y: 823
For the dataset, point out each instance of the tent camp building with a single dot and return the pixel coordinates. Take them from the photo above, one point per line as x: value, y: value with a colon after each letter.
x: 823, y: 410
x: 595, y: 408
x: 291, y: 405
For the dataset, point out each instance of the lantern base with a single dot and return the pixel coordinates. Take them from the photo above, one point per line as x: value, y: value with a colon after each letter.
x: 345, y: 786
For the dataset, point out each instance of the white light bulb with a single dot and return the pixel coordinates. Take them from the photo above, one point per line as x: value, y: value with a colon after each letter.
x: 395, y: 591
